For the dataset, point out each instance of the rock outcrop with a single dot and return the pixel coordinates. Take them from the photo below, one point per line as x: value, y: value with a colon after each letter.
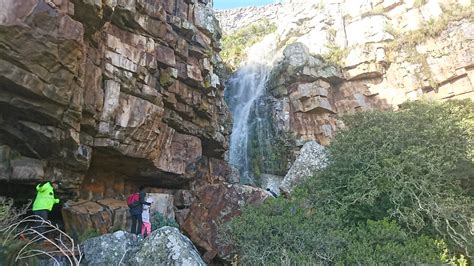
x: 216, y: 204
x: 165, y: 246
x: 104, y: 96
x: 103, y: 216
x: 110, y: 249
x: 300, y: 89
x: 109, y: 215
x: 311, y: 159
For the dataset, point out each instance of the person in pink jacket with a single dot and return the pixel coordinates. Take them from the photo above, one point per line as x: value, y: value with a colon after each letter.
x: 146, y: 227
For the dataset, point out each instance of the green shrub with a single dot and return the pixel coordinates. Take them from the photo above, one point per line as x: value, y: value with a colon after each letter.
x: 10, y: 249
x: 336, y: 55
x: 429, y: 29
x: 415, y: 165
x: 384, y: 242
x: 419, y: 3
x: 282, y: 231
x: 396, y: 184
x: 158, y: 220
x: 234, y: 45
x: 11, y: 246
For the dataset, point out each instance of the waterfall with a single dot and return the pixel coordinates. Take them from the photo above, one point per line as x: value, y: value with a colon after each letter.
x: 245, y: 92
x: 244, y: 88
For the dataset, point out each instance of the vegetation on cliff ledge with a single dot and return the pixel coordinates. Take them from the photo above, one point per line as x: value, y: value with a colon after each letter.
x: 234, y: 45
x: 398, y: 189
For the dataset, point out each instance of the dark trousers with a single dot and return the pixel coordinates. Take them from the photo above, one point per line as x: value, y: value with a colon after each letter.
x: 136, y: 224
x: 44, y: 215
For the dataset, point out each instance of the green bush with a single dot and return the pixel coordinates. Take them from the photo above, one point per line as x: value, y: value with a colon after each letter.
x: 384, y: 242
x: 336, y: 55
x: 234, y: 45
x: 158, y: 220
x: 415, y: 165
x: 11, y: 246
x: 281, y: 231
x: 397, y: 183
x: 429, y: 29
x: 9, y: 251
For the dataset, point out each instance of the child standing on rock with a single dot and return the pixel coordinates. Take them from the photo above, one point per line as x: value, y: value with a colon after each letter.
x: 146, y: 228
x: 136, y: 202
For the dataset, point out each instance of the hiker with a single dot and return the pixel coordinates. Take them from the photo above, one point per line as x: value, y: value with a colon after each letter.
x: 135, y: 202
x: 44, y: 201
x: 146, y: 227
x: 272, y: 193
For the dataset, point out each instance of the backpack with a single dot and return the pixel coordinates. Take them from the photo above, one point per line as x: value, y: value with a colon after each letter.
x: 133, y: 200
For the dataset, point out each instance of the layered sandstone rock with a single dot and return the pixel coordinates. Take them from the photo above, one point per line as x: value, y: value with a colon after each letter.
x: 122, y: 90
x: 106, y: 96
x: 216, y: 204
x: 109, y: 215
x: 103, y: 216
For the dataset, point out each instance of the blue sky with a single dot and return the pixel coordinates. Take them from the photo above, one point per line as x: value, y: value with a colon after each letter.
x: 225, y: 4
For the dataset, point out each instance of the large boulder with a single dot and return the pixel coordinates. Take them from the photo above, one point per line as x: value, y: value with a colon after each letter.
x: 297, y: 54
x: 162, y: 203
x: 214, y: 204
x: 108, y: 215
x: 167, y: 246
x: 103, y: 216
x: 110, y: 249
x: 312, y: 158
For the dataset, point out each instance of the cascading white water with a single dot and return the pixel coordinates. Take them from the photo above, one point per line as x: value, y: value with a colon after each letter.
x: 248, y: 84
x: 243, y: 90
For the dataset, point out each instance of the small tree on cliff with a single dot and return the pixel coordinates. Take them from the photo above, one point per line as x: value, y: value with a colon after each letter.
x: 395, y: 181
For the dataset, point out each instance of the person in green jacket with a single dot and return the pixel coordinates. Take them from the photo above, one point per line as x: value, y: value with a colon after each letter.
x: 44, y: 201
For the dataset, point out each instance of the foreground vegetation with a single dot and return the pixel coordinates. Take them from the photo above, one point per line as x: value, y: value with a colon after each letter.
x: 29, y: 240
x: 398, y: 189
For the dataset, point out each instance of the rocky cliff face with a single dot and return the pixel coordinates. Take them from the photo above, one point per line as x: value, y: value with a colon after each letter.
x: 339, y: 57
x: 107, y: 95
